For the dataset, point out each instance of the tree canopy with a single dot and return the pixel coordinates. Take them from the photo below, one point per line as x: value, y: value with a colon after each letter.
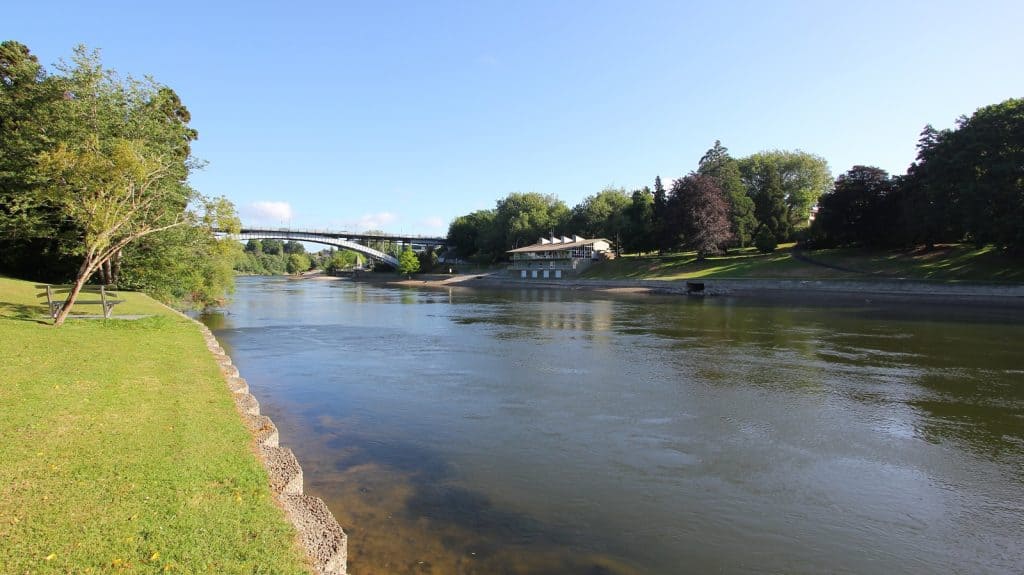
x: 725, y: 171
x: 602, y: 215
x: 859, y: 211
x: 704, y: 213
x: 801, y: 177
x: 408, y: 263
x: 968, y: 182
x: 966, y: 185
x: 91, y: 163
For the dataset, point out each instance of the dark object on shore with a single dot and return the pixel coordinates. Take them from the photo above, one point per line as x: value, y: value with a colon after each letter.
x: 694, y: 287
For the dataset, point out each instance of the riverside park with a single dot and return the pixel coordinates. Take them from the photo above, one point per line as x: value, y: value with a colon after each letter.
x: 524, y: 290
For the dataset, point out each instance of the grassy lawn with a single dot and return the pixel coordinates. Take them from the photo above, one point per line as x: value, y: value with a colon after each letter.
x: 946, y: 263
x: 746, y: 263
x: 121, y: 450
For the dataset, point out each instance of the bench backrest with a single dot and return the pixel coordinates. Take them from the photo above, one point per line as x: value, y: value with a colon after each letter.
x: 62, y: 291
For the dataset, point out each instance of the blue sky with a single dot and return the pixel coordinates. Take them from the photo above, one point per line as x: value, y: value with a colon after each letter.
x: 402, y: 115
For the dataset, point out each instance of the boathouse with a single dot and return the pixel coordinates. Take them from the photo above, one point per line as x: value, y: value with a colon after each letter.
x: 557, y: 257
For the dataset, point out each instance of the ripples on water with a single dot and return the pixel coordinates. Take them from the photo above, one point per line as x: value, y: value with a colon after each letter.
x: 537, y: 431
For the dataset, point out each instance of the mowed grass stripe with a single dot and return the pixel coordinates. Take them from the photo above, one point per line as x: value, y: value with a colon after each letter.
x: 948, y: 263
x: 121, y: 451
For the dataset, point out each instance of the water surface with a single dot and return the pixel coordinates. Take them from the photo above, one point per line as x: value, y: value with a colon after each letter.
x: 553, y: 431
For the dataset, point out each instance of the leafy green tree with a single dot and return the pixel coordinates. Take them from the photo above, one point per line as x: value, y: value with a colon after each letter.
x: 470, y: 235
x: 341, y: 260
x: 428, y: 259
x: 247, y: 263
x: 186, y: 265
x: 967, y: 182
x: 273, y: 247
x: 254, y: 247
x: 93, y: 172
x: 725, y: 170
x: 662, y: 221
x: 803, y: 178
x: 33, y: 235
x: 860, y: 210
x: 273, y: 264
x: 408, y: 263
x: 602, y: 215
x: 770, y: 207
x: 520, y: 219
x: 294, y: 247
x: 120, y: 165
x: 297, y: 263
x: 765, y: 241
x: 639, y: 235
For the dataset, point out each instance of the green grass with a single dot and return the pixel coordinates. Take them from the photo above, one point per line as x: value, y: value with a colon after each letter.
x: 746, y: 263
x: 121, y: 450
x: 946, y: 263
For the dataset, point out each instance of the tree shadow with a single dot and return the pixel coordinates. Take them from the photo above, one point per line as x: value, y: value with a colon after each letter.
x: 22, y: 312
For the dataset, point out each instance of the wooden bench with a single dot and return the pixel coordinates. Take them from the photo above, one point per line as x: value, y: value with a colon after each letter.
x: 56, y: 295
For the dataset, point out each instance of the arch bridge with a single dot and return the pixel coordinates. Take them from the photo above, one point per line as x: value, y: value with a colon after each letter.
x: 356, y: 242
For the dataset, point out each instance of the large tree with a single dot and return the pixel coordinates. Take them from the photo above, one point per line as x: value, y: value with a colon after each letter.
x: 664, y: 234
x: 639, y: 235
x: 520, y: 219
x: 602, y: 215
x: 469, y: 235
x: 186, y: 265
x: 968, y: 183
x: 119, y: 169
x: 297, y: 263
x: 32, y: 233
x: 725, y: 171
x: 802, y: 177
x: 703, y: 213
x: 408, y: 263
x: 860, y: 210
x: 771, y: 209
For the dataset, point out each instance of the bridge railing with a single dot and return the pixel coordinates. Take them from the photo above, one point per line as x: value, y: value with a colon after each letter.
x: 345, y: 233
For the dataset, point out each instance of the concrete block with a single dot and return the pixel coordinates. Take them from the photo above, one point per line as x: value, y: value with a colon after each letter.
x: 325, y: 542
x: 283, y: 470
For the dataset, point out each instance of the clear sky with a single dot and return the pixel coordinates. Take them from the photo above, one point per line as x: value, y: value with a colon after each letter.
x: 402, y: 115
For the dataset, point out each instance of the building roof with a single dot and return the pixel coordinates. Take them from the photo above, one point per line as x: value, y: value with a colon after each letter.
x: 554, y: 244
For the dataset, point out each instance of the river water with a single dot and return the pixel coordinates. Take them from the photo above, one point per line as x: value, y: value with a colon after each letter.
x: 553, y: 431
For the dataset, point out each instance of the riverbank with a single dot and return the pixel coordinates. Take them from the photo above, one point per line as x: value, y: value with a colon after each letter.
x: 789, y: 290
x: 785, y: 289
x: 122, y: 448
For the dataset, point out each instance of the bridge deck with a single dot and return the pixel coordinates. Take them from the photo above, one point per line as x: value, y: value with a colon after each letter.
x: 341, y: 239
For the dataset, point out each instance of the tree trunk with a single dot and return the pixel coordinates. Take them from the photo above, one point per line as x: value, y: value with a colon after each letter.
x: 83, y: 276
x: 105, y: 273
x: 115, y: 276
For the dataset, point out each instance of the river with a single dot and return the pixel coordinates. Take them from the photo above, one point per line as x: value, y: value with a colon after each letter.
x: 555, y: 431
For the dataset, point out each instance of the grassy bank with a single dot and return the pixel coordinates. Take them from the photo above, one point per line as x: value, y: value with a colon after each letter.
x: 946, y: 263
x: 121, y: 450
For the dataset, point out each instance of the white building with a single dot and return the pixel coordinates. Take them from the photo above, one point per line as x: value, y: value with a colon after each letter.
x: 556, y: 257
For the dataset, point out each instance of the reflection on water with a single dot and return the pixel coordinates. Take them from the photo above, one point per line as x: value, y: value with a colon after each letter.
x: 551, y: 431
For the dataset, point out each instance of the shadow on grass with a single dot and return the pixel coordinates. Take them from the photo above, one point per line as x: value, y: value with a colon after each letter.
x: 22, y: 312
